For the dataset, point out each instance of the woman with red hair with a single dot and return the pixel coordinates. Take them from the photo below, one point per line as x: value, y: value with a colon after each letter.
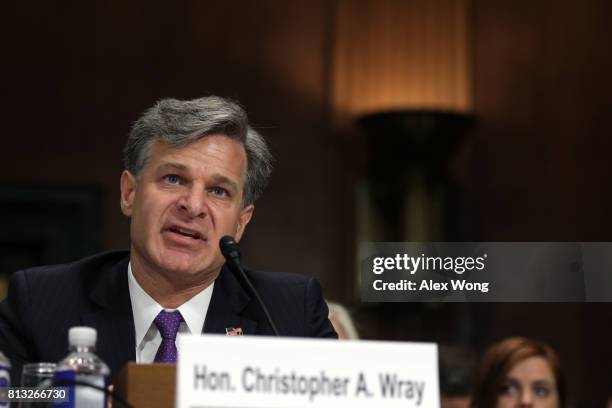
x: 519, y: 372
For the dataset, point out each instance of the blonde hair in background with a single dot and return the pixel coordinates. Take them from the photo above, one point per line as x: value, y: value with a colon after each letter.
x: 342, y: 321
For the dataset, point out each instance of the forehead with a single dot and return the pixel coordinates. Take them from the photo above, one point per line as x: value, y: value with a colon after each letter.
x: 533, y: 369
x: 216, y: 152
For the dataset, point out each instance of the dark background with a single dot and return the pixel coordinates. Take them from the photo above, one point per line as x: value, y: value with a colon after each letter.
x: 535, y: 168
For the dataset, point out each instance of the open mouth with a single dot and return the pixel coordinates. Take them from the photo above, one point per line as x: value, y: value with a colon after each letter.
x: 186, y: 233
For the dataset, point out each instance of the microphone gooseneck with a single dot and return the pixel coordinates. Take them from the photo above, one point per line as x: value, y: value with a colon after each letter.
x: 231, y: 251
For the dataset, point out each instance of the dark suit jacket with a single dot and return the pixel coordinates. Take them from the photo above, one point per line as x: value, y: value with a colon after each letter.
x: 44, y: 302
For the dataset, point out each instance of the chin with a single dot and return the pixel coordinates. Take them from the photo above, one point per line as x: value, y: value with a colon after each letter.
x: 178, y: 266
x: 181, y: 264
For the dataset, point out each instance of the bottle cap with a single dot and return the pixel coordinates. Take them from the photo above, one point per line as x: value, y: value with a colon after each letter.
x: 82, y: 336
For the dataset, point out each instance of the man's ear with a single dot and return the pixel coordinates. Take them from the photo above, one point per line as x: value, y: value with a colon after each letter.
x: 245, y: 217
x: 128, y: 190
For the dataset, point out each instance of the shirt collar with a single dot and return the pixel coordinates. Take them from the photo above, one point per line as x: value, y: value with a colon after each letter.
x: 145, y: 309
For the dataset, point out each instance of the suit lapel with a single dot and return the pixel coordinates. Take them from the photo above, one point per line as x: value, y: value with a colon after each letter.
x: 228, y: 301
x: 112, y: 313
x: 112, y: 316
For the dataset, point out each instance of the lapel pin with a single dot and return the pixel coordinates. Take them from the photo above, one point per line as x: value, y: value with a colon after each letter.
x: 233, y: 331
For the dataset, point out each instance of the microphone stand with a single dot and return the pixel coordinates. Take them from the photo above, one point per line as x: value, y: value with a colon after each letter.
x: 231, y: 252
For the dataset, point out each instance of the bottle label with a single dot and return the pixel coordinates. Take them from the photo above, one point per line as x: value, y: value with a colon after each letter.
x: 5, y: 382
x: 84, y: 391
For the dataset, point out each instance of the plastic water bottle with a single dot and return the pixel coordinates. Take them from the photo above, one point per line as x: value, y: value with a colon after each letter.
x: 83, y: 366
x: 5, y: 376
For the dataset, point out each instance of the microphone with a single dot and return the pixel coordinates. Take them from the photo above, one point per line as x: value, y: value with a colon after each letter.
x: 231, y: 251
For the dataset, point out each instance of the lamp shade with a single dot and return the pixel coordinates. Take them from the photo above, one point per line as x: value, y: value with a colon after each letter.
x: 400, y: 54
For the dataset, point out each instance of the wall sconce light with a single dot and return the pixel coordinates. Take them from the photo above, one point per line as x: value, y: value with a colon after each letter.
x: 401, y: 71
x: 407, y: 172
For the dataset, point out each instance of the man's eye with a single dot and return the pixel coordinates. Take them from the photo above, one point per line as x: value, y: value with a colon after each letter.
x: 172, y: 179
x: 218, y: 191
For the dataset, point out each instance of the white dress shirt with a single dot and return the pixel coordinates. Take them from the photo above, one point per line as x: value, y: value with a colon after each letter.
x: 145, y: 309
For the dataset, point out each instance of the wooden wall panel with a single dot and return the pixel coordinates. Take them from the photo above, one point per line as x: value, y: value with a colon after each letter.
x: 539, y: 164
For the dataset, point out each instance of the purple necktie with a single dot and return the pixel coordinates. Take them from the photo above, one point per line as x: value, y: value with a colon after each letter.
x: 168, y: 324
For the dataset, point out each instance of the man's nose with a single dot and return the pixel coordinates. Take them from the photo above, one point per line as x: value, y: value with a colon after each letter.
x: 193, y: 202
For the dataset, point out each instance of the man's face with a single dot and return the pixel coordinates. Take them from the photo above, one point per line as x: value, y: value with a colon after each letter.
x: 184, y: 200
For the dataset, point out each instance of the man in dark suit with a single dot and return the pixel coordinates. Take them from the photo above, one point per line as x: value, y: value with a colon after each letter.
x: 193, y: 172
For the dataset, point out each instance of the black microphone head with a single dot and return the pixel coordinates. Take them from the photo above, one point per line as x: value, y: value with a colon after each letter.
x: 230, y: 249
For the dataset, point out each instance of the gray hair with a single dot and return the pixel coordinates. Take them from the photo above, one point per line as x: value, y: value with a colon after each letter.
x: 179, y: 123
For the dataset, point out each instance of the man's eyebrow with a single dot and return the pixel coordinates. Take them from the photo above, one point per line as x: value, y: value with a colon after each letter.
x: 172, y: 166
x: 221, y: 179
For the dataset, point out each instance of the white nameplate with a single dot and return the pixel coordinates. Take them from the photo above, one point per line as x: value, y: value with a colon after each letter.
x: 256, y: 372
